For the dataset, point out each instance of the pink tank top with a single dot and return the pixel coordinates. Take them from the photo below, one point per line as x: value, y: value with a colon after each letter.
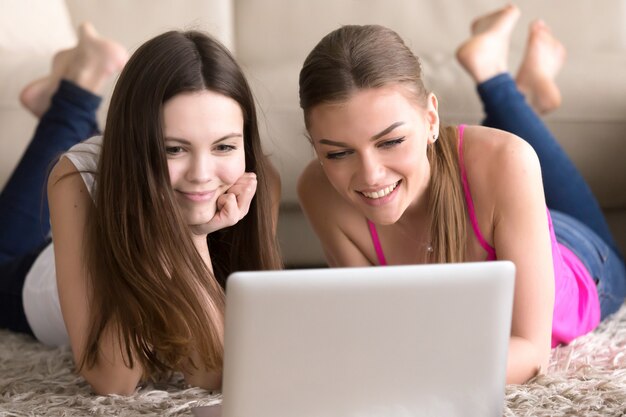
x: 576, y: 304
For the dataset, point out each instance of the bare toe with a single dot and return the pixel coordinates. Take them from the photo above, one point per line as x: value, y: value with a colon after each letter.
x: 501, y: 19
x: 96, y: 59
x: 485, y: 53
x: 543, y: 59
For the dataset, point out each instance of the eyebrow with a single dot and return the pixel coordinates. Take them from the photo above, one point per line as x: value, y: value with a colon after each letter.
x: 223, y: 138
x: 375, y: 137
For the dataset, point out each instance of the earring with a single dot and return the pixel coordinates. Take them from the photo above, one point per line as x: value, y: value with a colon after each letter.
x: 435, y: 137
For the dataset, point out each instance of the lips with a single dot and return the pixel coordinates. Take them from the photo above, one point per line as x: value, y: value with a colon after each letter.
x: 197, y: 196
x: 383, y: 192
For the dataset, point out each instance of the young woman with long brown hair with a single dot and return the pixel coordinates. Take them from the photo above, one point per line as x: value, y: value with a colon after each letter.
x: 392, y: 185
x: 148, y: 219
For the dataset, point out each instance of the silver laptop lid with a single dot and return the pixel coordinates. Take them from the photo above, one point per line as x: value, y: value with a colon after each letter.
x: 426, y: 340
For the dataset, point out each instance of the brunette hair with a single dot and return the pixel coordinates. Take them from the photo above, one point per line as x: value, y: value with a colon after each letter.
x: 146, y: 277
x: 354, y: 58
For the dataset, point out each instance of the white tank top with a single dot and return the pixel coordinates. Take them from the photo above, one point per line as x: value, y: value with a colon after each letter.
x: 39, y: 295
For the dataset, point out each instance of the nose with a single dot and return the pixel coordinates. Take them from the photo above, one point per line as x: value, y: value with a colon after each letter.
x: 201, y: 168
x: 372, y: 170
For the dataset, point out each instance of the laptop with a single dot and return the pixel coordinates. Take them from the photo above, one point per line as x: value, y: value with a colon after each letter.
x: 393, y: 341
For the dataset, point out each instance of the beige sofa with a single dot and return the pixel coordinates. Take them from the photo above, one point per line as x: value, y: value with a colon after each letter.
x: 271, y: 38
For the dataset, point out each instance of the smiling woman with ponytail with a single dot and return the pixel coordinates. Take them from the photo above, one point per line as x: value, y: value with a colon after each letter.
x: 392, y: 185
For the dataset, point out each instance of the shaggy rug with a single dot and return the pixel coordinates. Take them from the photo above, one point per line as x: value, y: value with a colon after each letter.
x: 585, y: 378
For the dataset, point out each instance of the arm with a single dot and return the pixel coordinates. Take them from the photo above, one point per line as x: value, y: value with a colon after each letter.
x: 200, y: 378
x: 329, y: 215
x: 245, y: 190
x: 521, y: 235
x: 70, y: 203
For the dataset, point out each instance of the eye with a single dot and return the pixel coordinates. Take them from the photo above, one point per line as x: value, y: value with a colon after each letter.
x: 174, y: 150
x: 391, y: 143
x: 338, y: 155
x: 223, y: 148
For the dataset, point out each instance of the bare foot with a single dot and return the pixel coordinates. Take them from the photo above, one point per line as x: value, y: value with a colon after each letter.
x: 96, y: 60
x: 543, y: 60
x: 37, y: 94
x: 89, y: 65
x: 485, y: 53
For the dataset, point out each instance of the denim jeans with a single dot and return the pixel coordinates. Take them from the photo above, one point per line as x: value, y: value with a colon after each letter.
x: 24, y: 215
x: 578, y: 220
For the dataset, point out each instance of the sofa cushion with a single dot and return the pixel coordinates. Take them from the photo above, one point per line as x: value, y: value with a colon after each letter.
x: 594, y: 103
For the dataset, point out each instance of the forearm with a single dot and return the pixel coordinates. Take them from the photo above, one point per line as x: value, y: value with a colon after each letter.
x: 110, y: 374
x: 106, y: 379
x: 525, y: 360
x: 209, y: 380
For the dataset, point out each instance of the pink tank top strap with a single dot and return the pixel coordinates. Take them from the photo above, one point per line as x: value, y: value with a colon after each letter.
x: 491, y: 252
x: 376, y: 242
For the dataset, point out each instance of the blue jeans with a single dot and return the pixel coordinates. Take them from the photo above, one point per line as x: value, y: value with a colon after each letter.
x: 577, y: 217
x: 24, y: 215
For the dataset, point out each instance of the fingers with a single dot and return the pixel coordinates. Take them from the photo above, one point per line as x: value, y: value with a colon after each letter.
x: 244, y: 189
x: 227, y: 210
x: 234, y: 204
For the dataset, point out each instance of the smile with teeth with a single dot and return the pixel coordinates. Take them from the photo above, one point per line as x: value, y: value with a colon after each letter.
x: 380, y: 193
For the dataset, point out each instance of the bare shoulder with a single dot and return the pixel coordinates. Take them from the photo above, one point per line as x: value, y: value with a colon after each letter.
x: 328, y: 212
x: 312, y: 177
x: 70, y: 203
x: 63, y: 167
x: 502, y: 172
x: 65, y: 178
x: 338, y: 225
x: 317, y: 194
x: 493, y: 156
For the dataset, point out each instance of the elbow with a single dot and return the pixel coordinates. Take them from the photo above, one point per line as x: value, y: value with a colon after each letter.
x: 107, y: 384
x: 117, y: 388
x: 209, y: 381
x: 522, y: 376
x: 526, y: 360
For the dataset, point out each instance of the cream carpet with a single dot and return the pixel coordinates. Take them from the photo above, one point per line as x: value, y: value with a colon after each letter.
x: 586, y: 378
